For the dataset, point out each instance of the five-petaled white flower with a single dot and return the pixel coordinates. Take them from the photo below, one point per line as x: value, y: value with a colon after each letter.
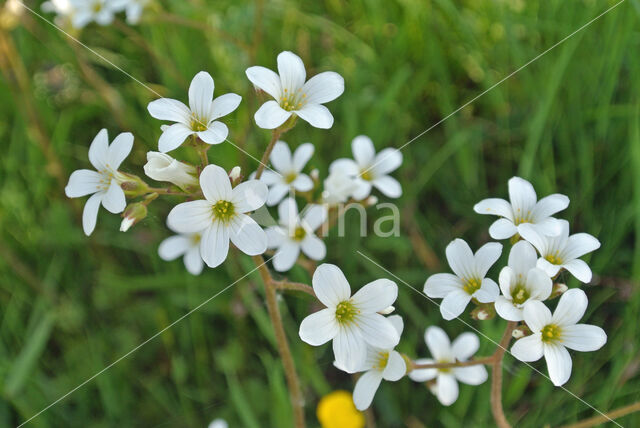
x: 521, y: 281
x: 352, y: 322
x: 221, y: 216
x: 380, y: 364
x: 370, y: 169
x: 104, y: 184
x: 197, y: 119
x: 338, y: 187
x: 287, y: 172
x: 553, y: 334
x: 562, y: 251
x: 443, y: 351
x: 523, y: 209
x: 187, y: 245
x: 469, y: 280
x: 292, y: 96
x: 295, y: 233
x: 99, y: 11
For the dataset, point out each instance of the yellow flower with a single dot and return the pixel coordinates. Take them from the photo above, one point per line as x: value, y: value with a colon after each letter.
x: 336, y: 410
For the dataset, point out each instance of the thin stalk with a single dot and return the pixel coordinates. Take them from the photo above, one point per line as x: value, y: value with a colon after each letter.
x: 496, y: 377
x: 474, y: 362
x: 295, y: 286
x: 600, y: 419
x: 265, y: 157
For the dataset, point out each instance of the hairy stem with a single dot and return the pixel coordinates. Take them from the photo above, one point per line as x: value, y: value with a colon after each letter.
x: 614, y: 414
x: 474, y: 362
x: 265, y: 157
x: 296, y: 286
x: 496, y: 377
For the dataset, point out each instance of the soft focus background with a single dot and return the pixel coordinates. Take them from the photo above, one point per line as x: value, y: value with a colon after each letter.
x: 70, y: 305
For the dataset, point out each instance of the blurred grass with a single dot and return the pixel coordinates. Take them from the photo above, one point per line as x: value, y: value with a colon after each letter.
x: 70, y: 305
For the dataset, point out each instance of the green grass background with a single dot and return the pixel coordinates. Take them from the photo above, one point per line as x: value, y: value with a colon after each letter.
x: 70, y: 305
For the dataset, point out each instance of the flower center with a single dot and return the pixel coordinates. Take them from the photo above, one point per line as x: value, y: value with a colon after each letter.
x: 195, y: 238
x: 299, y: 233
x: 293, y: 100
x: 198, y: 124
x: 97, y: 7
x: 444, y: 369
x: 550, y: 333
x: 290, y: 178
x: 223, y: 210
x: 521, y: 218
x: 472, y: 285
x: 366, y: 175
x: 346, y: 312
x: 519, y: 294
x: 554, y: 258
x: 383, y: 359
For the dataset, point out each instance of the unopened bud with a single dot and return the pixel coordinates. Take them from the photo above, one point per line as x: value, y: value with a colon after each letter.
x: 162, y: 167
x: 371, y: 200
x: 387, y: 310
x: 314, y: 174
x: 521, y: 331
x: 483, y: 312
x: 235, y: 175
x: 558, y: 289
x: 132, y: 215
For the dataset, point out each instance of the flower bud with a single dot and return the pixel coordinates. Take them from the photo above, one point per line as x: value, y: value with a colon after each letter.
x: 132, y: 215
x: 235, y: 175
x: 483, y: 312
x: 371, y: 200
x: 558, y: 289
x: 387, y: 310
x: 162, y: 167
x: 521, y: 331
x: 338, y: 187
x: 314, y: 174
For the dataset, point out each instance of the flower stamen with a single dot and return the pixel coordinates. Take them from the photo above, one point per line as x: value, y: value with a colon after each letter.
x: 472, y: 285
x: 223, y: 210
x: 550, y: 333
x: 346, y: 312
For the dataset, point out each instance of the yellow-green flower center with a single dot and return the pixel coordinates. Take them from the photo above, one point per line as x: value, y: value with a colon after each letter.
x: 299, y: 233
x: 383, y: 359
x: 520, y: 217
x: 290, y: 178
x: 97, y: 7
x: 519, y: 294
x: 554, y: 258
x: 346, y: 312
x: 223, y: 210
x: 551, y: 333
x: 472, y: 285
x: 198, y: 124
x: 444, y: 369
x: 195, y: 238
x: 366, y: 175
x: 293, y: 100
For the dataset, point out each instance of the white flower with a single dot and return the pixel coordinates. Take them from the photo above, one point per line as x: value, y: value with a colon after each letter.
x: 218, y: 423
x: 352, y: 322
x: 187, y: 245
x: 104, y: 184
x: 524, y: 208
x: 134, y: 9
x: 99, y: 11
x: 338, y: 187
x: 553, y: 334
x: 380, y: 364
x: 199, y: 118
x: 521, y: 281
x: 221, y: 216
x: 162, y: 167
x: 443, y: 351
x: 292, y: 96
x: 370, y: 169
x: 562, y: 251
x: 63, y: 9
x: 288, y: 173
x: 295, y: 234
x: 469, y: 280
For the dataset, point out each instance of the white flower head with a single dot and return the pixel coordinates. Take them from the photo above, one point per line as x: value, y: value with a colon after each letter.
x: 352, y: 322
x: 197, y: 119
x: 553, y: 334
x: 103, y: 184
x: 370, y: 170
x: 562, y: 251
x: 99, y: 11
x: 292, y: 96
x: 295, y: 233
x: 186, y: 245
x: 523, y: 209
x: 162, y: 167
x: 521, y: 281
x: 222, y: 216
x: 288, y: 171
x: 64, y: 10
x: 218, y: 423
x: 338, y: 187
x: 380, y: 364
x: 469, y: 280
x: 443, y: 351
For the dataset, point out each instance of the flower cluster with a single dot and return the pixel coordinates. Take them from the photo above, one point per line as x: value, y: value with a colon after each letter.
x: 80, y: 13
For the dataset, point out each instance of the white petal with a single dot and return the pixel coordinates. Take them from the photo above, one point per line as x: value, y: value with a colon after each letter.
x: 173, y: 247
x: 539, y: 284
x: 376, y: 295
x: 486, y: 256
x: 377, y: 331
x: 447, y: 388
x: 268, y: 177
x: 507, y: 310
x: 441, y: 284
x: 454, y: 304
x: 558, y: 363
x: 249, y: 196
x: 465, y: 346
x: 314, y: 215
x: 215, y: 184
x: 190, y: 217
x: 386, y: 161
x: 114, y: 200
x: 438, y: 343
x: 488, y: 291
x: 288, y: 212
x: 265, y: 79
x: 201, y: 94
x: 275, y: 236
x: 270, y: 115
x: 461, y: 259
x: 247, y: 235
x: 549, y: 226
x: 397, y: 322
x: 313, y: 247
x: 317, y: 115
x: 302, y: 183
x: 119, y: 149
x: 423, y: 375
x: 363, y: 151
x: 580, y: 244
x: 99, y: 150
x: 286, y: 256
x: 389, y: 186
x: 173, y: 137
x: 216, y: 133
x: 276, y: 193
x: 291, y: 71
x: 472, y: 375
x: 348, y: 166
x: 547, y: 267
x: 494, y: 206
x: 224, y: 104
x: 281, y: 157
x: 362, y: 190
x: 522, y: 258
x: 171, y: 110
x: 214, y: 245
x: 83, y: 182
x: 571, y: 307
x: 396, y: 367
x: 502, y: 229
x: 550, y: 205
x: 366, y: 388
x: 323, y: 87
x: 583, y: 337
x: 349, y: 349
x: 507, y: 279
x: 522, y: 195
x: 530, y: 234
x: 536, y: 315
x: 193, y: 261
x: 302, y: 155
x: 319, y: 327
x: 580, y: 269
x: 330, y: 285
x: 528, y: 348
x: 90, y: 213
